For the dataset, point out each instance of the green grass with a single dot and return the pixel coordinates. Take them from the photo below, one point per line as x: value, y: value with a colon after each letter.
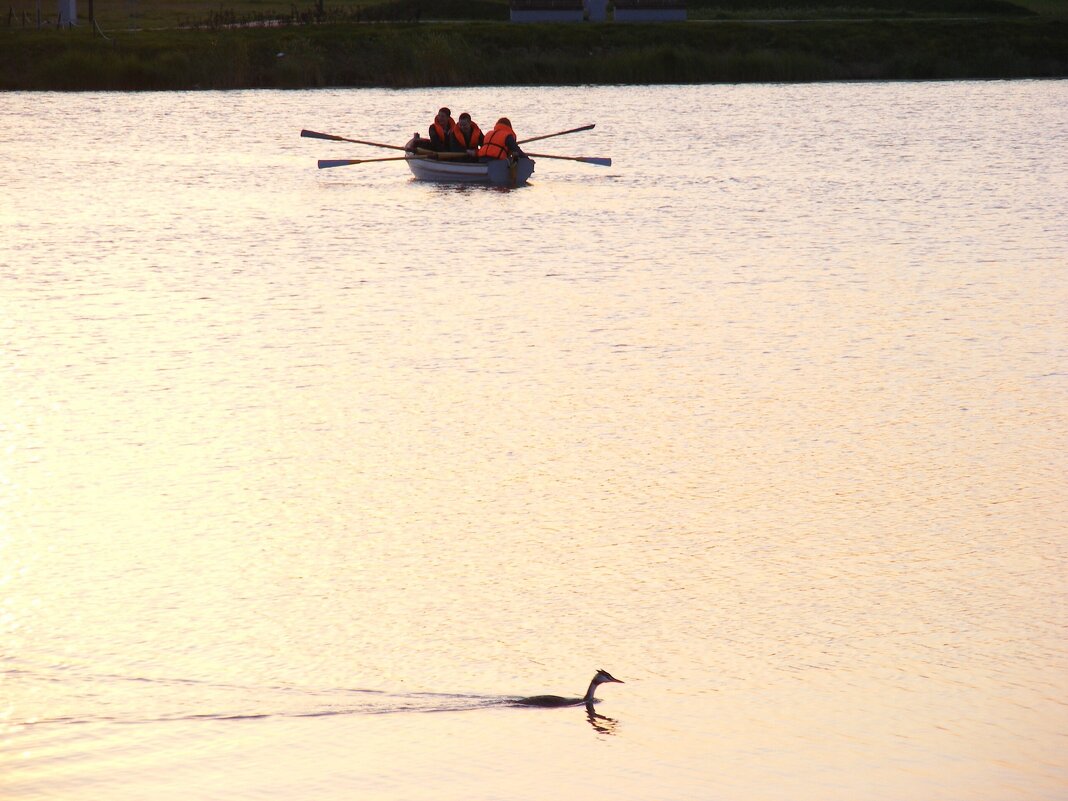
x: 854, y: 9
x: 1057, y: 9
x: 152, y: 14
x: 114, y: 15
x: 447, y: 54
x: 152, y: 45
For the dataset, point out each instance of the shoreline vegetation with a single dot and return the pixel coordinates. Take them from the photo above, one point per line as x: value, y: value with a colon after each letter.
x: 423, y: 43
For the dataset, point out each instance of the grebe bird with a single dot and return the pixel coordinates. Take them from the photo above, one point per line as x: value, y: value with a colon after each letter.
x: 600, y: 677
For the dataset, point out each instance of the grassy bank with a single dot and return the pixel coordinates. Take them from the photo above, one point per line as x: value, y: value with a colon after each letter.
x: 116, y: 15
x: 477, y: 53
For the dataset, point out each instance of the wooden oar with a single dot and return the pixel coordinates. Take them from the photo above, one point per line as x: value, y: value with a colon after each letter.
x: 324, y: 163
x: 558, y: 133
x: 584, y: 159
x: 444, y: 155
x: 332, y: 138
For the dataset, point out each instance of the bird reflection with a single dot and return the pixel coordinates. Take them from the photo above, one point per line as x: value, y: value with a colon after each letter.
x: 601, y: 723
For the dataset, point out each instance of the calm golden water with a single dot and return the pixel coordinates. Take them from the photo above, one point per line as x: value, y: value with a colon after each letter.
x: 304, y: 475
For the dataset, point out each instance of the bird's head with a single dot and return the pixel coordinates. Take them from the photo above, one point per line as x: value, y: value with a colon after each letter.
x: 604, y: 677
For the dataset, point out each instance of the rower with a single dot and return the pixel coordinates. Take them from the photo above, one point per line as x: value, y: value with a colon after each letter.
x: 500, y: 143
x: 438, y: 139
x: 466, y: 136
x: 440, y: 129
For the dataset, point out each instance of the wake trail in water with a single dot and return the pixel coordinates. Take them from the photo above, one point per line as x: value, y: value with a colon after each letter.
x: 83, y: 696
x: 396, y: 705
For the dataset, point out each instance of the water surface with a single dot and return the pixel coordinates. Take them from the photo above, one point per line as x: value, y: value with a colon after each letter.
x: 304, y: 474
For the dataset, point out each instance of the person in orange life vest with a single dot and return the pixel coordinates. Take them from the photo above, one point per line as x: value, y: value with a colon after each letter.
x: 466, y: 136
x: 500, y: 143
x: 438, y: 138
x: 440, y: 130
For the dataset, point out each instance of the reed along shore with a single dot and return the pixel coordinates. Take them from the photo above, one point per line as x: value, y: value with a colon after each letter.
x: 398, y: 55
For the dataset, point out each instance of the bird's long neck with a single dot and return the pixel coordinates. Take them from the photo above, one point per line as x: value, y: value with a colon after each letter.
x: 589, y: 693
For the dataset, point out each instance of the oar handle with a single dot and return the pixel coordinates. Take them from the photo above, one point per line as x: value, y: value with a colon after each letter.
x: 438, y: 154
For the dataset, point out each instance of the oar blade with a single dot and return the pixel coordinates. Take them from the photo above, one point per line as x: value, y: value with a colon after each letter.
x: 317, y: 135
x: 333, y: 138
x: 324, y: 163
x: 601, y: 162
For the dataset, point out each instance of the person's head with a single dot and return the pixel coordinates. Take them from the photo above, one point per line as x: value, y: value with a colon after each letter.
x: 507, y: 123
x: 444, y: 115
x: 464, y: 121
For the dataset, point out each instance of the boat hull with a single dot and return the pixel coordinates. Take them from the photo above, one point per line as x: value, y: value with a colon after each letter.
x: 496, y: 172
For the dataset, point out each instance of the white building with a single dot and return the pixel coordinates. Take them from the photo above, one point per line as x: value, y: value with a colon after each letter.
x: 68, y: 13
x: 597, y: 10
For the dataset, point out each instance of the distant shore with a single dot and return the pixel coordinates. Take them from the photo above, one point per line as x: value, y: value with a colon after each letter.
x: 401, y: 55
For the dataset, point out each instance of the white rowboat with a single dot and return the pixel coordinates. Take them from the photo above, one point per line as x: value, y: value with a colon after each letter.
x: 497, y: 172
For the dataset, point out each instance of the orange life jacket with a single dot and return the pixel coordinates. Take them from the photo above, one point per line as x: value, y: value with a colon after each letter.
x: 467, y: 144
x: 494, y: 147
x: 443, y: 134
